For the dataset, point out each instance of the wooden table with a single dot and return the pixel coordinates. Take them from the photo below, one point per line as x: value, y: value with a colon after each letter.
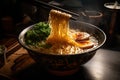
x: 105, y: 65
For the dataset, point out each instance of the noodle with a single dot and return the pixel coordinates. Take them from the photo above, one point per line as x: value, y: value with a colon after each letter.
x: 59, y: 23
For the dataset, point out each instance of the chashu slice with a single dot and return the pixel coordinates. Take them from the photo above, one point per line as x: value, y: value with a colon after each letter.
x: 82, y: 38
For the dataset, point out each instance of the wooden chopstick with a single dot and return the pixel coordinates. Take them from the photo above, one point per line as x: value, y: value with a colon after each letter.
x: 39, y: 3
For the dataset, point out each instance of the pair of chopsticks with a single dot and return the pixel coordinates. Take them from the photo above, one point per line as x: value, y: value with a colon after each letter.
x: 39, y: 3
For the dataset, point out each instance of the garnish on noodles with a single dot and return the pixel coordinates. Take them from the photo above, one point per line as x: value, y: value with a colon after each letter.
x: 60, y: 38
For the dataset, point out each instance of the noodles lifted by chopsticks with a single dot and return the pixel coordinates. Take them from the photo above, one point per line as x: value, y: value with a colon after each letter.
x: 59, y: 24
x: 60, y: 33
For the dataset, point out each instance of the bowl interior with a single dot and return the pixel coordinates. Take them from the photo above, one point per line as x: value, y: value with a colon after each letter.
x: 82, y: 26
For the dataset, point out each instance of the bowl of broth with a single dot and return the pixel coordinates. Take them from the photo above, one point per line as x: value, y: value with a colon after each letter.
x: 62, y: 45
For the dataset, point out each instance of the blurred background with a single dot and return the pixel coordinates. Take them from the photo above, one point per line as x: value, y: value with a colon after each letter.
x: 15, y: 15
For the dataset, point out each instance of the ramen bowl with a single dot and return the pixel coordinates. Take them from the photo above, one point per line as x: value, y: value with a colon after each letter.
x: 67, y: 64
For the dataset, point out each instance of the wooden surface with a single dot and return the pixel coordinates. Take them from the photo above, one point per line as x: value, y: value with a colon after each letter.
x: 105, y: 65
x: 17, y: 57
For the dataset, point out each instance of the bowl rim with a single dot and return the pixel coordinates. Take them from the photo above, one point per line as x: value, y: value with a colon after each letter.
x: 111, y: 3
x: 22, y: 43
